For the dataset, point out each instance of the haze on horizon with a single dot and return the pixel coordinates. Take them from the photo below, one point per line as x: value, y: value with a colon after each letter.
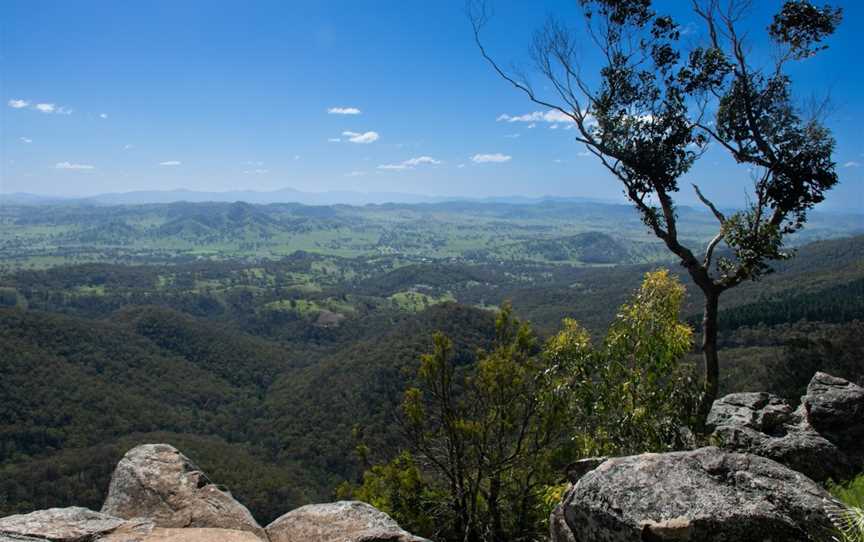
x: 101, y: 97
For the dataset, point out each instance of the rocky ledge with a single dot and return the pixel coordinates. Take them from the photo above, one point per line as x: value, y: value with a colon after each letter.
x: 823, y: 438
x: 704, y: 495
x: 759, y: 484
x: 157, y: 494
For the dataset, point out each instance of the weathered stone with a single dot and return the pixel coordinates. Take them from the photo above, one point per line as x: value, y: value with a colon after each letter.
x: 760, y: 411
x: 72, y: 524
x: 344, y: 521
x: 197, y: 535
x: 705, y: 495
x: 578, y: 469
x: 822, y: 438
x: 835, y: 408
x: 157, y: 482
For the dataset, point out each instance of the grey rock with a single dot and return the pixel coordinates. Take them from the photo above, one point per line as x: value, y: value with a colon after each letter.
x: 157, y: 482
x: 578, y: 469
x: 835, y: 408
x: 822, y: 438
x: 343, y: 521
x: 705, y: 495
x: 72, y: 524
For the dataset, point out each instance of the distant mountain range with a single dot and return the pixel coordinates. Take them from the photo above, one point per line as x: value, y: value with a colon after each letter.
x: 284, y: 195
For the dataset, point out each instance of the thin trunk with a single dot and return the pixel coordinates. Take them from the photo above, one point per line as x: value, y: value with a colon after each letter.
x: 494, y: 509
x: 709, y: 354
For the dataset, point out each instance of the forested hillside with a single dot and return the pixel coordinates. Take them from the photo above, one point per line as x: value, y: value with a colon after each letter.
x: 272, y: 371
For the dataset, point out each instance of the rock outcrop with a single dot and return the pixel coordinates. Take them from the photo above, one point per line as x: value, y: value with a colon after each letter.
x: 72, y: 525
x: 158, y: 495
x: 705, y: 495
x: 76, y: 524
x: 157, y: 482
x: 344, y: 521
x: 823, y: 438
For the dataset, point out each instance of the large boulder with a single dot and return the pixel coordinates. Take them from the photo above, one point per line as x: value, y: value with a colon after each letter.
x: 193, y: 535
x: 835, y: 408
x: 705, y: 495
x: 822, y: 438
x: 157, y: 482
x: 72, y: 524
x: 344, y: 521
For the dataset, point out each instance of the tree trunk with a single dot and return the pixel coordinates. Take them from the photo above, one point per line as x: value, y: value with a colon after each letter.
x: 709, y: 354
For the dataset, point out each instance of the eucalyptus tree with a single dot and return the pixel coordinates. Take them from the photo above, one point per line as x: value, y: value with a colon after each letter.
x: 655, y: 105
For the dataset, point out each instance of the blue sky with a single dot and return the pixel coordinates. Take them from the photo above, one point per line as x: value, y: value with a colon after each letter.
x: 217, y: 95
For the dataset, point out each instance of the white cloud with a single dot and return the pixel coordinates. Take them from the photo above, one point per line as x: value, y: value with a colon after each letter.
x: 558, y: 161
x: 411, y: 163
x: 128, y: 146
x: 512, y: 136
x: 41, y: 107
x: 343, y: 111
x: 52, y: 108
x: 334, y: 140
x: 70, y: 165
x: 365, y: 137
x: 553, y: 127
x: 296, y: 157
x: 496, y: 157
x: 26, y: 140
x: 583, y: 153
x: 170, y: 163
x: 103, y: 115
x: 852, y: 163
x: 355, y: 174
x: 460, y: 166
x: 255, y: 163
x: 551, y: 116
x: 532, y: 125
x: 256, y: 171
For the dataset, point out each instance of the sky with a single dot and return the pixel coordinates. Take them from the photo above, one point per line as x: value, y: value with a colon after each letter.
x: 319, y: 95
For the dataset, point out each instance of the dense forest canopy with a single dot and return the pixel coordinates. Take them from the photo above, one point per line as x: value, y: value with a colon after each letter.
x: 272, y: 370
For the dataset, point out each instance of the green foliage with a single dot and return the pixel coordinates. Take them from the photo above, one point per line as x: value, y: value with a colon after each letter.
x: 633, y: 394
x: 400, y: 488
x: 487, y: 438
x: 491, y: 439
x: 850, y: 493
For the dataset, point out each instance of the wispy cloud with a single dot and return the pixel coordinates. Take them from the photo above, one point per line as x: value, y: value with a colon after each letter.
x: 496, y: 157
x: 45, y: 107
x: 551, y: 116
x: 50, y: 108
x: 128, y: 146
x: 343, y: 111
x: 26, y: 140
x: 103, y: 115
x: 334, y: 140
x: 852, y: 163
x: 70, y: 165
x: 355, y: 174
x: 170, y: 163
x: 365, y: 137
x: 258, y: 171
x: 583, y: 153
x: 411, y: 163
x: 512, y: 136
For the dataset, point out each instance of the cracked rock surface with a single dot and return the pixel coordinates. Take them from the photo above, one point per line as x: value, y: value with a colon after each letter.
x: 158, y: 482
